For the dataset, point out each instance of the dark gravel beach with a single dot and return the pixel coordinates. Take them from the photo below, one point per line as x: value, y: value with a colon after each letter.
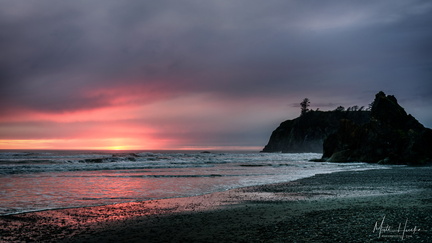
x: 390, y: 205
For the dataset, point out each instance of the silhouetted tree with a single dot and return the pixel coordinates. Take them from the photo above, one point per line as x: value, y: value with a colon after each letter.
x: 340, y: 108
x: 370, y: 106
x: 304, y: 106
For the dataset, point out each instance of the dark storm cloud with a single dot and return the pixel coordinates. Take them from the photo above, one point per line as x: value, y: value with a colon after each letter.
x: 54, y: 53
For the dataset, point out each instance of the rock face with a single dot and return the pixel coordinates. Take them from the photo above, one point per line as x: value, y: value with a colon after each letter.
x: 391, y: 136
x: 307, y: 132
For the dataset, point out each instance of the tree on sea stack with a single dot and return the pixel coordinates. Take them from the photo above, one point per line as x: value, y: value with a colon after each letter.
x: 304, y: 106
x: 340, y: 108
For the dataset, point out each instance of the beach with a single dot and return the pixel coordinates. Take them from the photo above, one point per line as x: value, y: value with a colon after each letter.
x: 384, y: 205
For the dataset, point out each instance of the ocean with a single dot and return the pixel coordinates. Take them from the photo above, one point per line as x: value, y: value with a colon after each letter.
x: 41, y: 180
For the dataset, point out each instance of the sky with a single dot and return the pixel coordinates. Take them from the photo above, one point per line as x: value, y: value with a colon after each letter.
x: 199, y: 74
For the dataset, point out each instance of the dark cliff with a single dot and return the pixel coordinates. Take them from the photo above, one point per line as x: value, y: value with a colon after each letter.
x: 391, y: 136
x: 307, y: 132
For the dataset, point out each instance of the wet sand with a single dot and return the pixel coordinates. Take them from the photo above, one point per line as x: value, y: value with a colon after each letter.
x: 337, y: 207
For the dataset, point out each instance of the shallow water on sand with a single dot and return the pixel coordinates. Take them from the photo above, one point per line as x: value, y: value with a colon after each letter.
x: 39, y: 180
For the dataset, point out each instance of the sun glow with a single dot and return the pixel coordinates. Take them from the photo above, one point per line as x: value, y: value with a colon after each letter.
x: 84, y: 144
x: 117, y: 148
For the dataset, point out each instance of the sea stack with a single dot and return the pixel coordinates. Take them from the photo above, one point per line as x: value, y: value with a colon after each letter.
x: 391, y: 136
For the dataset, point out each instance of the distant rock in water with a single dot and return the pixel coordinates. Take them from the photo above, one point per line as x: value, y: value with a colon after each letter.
x: 307, y: 132
x: 391, y: 136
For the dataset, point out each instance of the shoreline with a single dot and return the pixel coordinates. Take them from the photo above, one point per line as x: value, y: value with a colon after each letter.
x: 338, y: 206
x: 168, y: 198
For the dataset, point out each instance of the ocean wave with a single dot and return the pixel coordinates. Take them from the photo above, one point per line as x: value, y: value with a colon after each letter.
x: 39, y: 181
x: 23, y: 162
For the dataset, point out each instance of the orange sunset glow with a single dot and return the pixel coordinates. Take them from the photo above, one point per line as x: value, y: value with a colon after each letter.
x: 132, y: 125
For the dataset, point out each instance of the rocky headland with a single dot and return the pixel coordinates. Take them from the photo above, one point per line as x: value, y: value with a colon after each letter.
x: 308, y: 132
x: 385, y: 134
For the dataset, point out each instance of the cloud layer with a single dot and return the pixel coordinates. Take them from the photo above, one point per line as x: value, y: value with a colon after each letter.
x: 203, y: 73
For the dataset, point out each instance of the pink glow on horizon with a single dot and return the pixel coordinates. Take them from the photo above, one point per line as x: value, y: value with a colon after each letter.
x: 108, y: 144
x: 131, y: 122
